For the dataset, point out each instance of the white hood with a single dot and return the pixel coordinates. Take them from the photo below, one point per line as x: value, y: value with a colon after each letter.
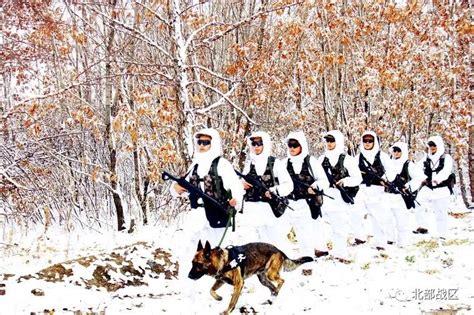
x: 440, y: 148
x: 260, y: 160
x: 204, y: 160
x: 370, y: 154
x: 398, y: 163
x: 333, y: 155
x: 297, y: 161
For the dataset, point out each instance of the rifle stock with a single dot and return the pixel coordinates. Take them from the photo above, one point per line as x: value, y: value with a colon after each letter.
x: 255, y: 182
x: 408, y: 197
x: 344, y: 194
x: 320, y: 192
x: 194, y: 192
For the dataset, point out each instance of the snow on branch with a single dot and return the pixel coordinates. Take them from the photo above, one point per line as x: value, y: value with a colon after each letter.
x: 193, y: 5
x: 61, y: 158
x: 159, y: 17
x: 140, y: 35
x: 217, y: 75
x: 224, y: 97
x: 43, y: 96
x: 11, y: 180
x: 197, y: 31
x: 247, y: 20
x: 78, y: 84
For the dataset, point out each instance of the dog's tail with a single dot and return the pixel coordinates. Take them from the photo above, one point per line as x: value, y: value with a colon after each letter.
x: 292, y: 264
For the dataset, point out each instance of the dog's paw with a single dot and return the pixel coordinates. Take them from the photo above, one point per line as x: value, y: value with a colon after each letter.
x: 216, y: 296
x: 270, y: 300
x: 274, y: 293
x: 247, y: 309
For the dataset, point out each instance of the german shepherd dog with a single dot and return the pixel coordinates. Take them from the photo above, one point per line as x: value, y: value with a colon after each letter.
x: 233, y: 265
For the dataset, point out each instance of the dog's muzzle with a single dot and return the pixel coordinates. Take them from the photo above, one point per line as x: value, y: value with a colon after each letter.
x: 195, y: 275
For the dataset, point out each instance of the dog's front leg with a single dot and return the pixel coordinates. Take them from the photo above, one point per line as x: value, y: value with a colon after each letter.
x: 238, y: 282
x: 215, y: 287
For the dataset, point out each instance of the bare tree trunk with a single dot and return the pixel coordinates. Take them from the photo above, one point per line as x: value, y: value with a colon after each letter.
x: 471, y: 161
x: 367, y: 108
x: 325, y: 105
x: 141, y: 195
x: 182, y: 79
x: 462, y: 183
x: 428, y: 131
x: 110, y: 111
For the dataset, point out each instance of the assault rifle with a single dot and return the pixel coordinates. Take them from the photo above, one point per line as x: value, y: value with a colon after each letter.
x: 314, y: 201
x: 277, y: 203
x: 394, y: 187
x: 449, y: 182
x: 318, y: 192
x: 397, y: 186
x: 194, y: 192
x: 344, y: 194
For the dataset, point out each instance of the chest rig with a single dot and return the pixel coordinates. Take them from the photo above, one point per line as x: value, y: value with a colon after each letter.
x: 401, y: 179
x: 214, y: 187
x: 267, y: 179
x: 429, y: 171
x: 377, y: 166
x: 338, y: 171
x: 449, y: 182
x: 305, y: 176
x: 404, y: 174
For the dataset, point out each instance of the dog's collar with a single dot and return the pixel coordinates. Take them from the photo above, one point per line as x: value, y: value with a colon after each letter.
x: 236, y: 258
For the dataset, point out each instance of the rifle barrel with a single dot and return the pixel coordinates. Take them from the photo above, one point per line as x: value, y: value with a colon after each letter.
x: 251, y: 179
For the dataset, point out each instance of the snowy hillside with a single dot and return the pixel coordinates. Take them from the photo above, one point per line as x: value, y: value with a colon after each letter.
x: 146, y: 273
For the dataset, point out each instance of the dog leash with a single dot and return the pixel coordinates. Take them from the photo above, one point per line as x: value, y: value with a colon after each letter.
x: 231, y: 213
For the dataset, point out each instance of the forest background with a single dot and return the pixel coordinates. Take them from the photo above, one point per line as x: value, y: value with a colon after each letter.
x: 98, y: 97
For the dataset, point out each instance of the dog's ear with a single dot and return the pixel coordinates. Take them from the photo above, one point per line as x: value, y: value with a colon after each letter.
x: 199, y: 246
x: 207, y: 247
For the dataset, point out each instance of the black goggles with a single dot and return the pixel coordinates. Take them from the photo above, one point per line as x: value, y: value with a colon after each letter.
x: 294, y: 145
x: 431, y: 144
x: 368, y: 140
x: 396, y: 149
x: 203, y: 142
x: 256, y: 143
x: 330, y: 139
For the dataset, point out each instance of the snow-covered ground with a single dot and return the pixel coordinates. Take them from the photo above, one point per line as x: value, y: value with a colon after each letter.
x: 422, y: 278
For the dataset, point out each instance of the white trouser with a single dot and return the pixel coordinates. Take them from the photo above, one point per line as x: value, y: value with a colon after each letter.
x: 310, y: 233
x: 423, y: 215
x: 249, y: 222
x: 259, y: 224
x: 435, y: 201
x: 374, y: 200
x: 196, y: 227
x: 399, y: 228
x: 337, y: 212
x: 357, y: 221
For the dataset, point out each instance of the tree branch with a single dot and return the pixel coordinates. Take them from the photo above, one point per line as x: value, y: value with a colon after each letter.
x: 217, y: 75
x: 11, y: 180
x: 248, y: 19
x: 224, y: 97
x: 159, y: 17
x: 193, y: 5
x: 134, y: 31
x: 197, y: 31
